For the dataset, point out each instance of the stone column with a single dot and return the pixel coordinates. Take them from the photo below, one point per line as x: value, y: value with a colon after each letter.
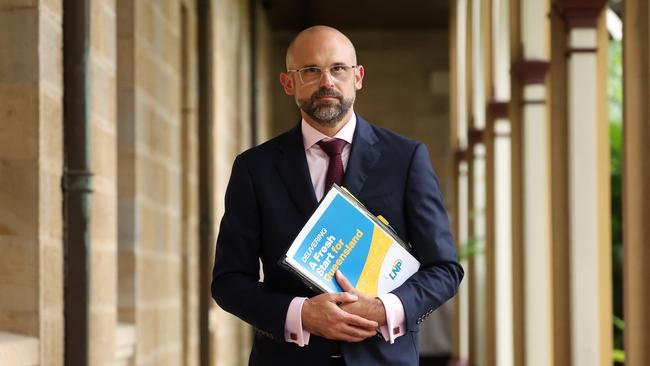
x: 102, y: 67
x: 535, y: 184
x: 559, y: 192
x: 460, y: 121
x: 31, y: 159
x: 501, y: 185
x: 478, y: 197
x: 463, y: 296
x: 589, y: 211
x: 478, y: 263
x: 536, y: 215
x: 502, y: 235
x: 636, y: 175
x: 158, y: 233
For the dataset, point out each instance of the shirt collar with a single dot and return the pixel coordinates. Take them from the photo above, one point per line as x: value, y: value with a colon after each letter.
x: 310, y: 135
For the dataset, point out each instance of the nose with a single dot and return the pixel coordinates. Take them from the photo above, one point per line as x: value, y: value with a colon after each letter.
x: 326, y: 79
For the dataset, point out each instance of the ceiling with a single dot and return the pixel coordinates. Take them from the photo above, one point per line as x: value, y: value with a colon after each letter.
x: 293, y: 15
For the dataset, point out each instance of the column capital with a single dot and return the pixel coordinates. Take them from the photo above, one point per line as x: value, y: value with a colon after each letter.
x: 460, y: 155
x: 498, y: 108
x: 531, y: 71
x: 475, y: 135
x: 580, y: 13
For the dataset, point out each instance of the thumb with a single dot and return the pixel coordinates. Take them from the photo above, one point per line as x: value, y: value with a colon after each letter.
x: 344, y: 283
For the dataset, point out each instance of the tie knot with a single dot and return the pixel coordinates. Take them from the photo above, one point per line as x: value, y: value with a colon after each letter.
x: 332, y: 147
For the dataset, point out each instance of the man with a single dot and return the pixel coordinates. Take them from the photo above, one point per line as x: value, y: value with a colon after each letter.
x: 275, y: 187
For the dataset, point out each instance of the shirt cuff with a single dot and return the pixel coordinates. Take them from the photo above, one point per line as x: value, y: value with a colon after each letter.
x: 395, y: 321
x: 293, y: 331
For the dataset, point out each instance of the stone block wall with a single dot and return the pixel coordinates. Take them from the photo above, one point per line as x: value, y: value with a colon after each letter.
x: 405, y: 88
x: 285, y: 111
x: 157, y: 148
x: 158, y: 170
x: 190, y: 183
x: 103, y: 151
x: 144, y: 255
x: 31, y: 153
x: 231, y: 135
x: 266, y: 80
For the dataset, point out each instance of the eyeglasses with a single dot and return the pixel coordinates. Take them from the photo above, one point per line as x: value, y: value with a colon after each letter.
x: 314, y: 74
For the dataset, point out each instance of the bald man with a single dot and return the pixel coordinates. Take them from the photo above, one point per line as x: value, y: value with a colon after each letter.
x: 275, y: 187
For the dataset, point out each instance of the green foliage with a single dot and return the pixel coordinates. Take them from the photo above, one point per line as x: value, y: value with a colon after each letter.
x: 469, y: 249
x: 615, y: 82
x: 472, y: 247
x: 615, y: 95
x: 619, y: 356
x: 619, y: 323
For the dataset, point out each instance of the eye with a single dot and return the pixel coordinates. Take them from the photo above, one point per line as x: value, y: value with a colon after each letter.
x: 338, y: 69
x: 310, y: 70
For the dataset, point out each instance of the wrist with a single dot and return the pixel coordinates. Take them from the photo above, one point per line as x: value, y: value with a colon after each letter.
x: 379, y: 311
x: 304, y: 311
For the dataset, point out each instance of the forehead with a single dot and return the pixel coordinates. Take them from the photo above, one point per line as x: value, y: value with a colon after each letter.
x: 321, y: 48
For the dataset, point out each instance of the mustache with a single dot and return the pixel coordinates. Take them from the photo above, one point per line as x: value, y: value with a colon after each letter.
x: 326, y: 93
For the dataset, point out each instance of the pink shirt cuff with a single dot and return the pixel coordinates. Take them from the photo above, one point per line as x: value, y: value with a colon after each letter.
x: 395, y: 321
x: 293, y: 331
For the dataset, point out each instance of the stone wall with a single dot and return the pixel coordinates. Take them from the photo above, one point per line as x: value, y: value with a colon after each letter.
x: 144, y: 150
x: 190, y: 183
x: 231, y: 135
x: 405, y: 89
x: 267, y: 81
x: 31, y: 155
x: 158, y: 191
x: 103, y: 137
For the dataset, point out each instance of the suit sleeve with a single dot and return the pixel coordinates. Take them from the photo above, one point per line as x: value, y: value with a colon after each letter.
x: 427, y: 229
x: 235, y: 277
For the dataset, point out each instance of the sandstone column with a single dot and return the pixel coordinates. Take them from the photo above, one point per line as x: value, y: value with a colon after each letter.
x: 589, y: 210
x: 31, y: 157
x: 535, y: 184
x: 636, y: 175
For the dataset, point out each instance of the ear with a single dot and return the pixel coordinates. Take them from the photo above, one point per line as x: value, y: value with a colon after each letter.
x: 287, y: 83
x: 358, y: 77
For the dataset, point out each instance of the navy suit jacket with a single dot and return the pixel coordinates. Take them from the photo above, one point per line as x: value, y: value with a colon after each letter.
x: 269, y: 198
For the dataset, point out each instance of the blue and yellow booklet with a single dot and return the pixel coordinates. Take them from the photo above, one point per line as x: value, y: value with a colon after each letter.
x: 343, y: 235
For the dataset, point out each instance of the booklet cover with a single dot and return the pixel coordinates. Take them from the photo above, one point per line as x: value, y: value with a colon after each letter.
x: 343, y: 235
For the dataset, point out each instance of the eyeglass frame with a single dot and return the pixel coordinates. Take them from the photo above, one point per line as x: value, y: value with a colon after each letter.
x: 353, y: 67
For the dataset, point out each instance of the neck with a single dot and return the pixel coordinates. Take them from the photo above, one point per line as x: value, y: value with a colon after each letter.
x: 332, y: 130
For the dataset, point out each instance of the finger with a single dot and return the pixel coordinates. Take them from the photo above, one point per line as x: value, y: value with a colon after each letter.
x: 344, y: 283
x: 358, y: 334
x: 347, y: 338
x: 361, y: 322
x: 343, y: 297
x: 349, y: 333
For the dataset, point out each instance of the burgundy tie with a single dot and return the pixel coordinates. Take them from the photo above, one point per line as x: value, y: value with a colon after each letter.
x: 333, y: 149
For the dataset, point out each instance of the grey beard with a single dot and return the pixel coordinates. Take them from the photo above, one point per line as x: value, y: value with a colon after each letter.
x: 326, y: 113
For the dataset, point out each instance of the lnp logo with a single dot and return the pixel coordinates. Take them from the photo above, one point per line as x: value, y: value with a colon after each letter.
x: 397, y: 266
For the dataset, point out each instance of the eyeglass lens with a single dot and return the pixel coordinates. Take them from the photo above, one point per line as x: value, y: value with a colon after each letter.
x: 314, y: 74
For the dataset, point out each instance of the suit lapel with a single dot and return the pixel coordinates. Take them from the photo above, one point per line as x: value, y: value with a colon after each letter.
x: 363, y: 155
x: 294, y: 172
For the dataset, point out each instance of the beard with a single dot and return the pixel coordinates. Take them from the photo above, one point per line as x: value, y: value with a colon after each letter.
x: 326, y: 112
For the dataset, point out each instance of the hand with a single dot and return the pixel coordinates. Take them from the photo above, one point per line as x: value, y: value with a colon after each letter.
x: 323, y: 317
x: 367, y: 307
